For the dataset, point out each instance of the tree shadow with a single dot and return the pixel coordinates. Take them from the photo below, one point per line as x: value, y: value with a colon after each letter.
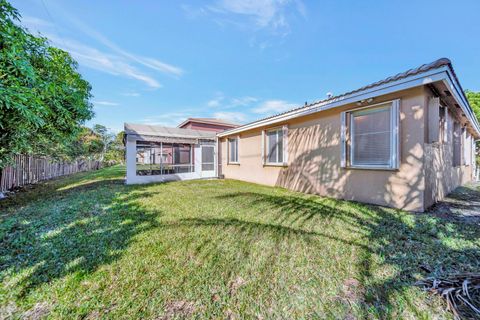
x: 409, y: 245
x: 67, y: 230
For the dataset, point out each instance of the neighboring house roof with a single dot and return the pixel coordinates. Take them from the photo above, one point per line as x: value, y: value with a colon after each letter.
x: 209, y: 121
x: 439, y: 70
x: 166, y: 134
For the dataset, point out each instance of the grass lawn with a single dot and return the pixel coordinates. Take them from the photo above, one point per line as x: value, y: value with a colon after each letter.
x: 88, y: 246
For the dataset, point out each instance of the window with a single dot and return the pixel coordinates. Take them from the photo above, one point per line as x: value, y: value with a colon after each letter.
x: 233, y: 150
x: 275, y: 146
x: 370, y: 137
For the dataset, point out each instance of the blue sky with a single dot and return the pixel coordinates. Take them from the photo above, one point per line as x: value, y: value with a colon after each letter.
x: 159, y: 62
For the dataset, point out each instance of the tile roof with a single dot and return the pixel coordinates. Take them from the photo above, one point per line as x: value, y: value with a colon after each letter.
x: 421, y: 69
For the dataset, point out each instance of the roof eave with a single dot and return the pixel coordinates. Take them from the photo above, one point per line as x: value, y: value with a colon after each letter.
x: 442, y: 73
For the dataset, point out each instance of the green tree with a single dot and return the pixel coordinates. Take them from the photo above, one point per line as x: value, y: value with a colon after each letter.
x: 106, y: 139
x: 87, y: 145
x: 116, y: 149
x: 43, y: 99
x: 98, y: 143
x: 474, y: 100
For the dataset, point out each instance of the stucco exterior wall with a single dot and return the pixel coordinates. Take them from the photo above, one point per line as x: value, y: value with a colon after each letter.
x: 315, y: 153
x: 441, y: 176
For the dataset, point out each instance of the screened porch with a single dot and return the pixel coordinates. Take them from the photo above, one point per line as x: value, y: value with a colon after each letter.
x: 156, y: 153
x: 158, y: 158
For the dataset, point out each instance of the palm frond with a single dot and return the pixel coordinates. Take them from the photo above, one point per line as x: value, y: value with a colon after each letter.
x: 461, y: 292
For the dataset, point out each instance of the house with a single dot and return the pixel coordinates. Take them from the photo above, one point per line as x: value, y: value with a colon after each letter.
x: 404, y: 142
x: 207, y: 124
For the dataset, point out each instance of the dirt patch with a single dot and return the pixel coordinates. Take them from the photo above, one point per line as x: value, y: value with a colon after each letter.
x: 462, y: 204
x: 235, y: 285
x: 353, y: 291
x: 179, y: 309
x: 39, y: 311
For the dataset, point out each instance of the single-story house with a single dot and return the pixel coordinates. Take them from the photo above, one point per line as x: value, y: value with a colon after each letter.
x: 404, y: 142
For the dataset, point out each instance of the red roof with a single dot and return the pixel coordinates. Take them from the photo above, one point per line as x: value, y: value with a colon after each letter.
x: 219, y: 122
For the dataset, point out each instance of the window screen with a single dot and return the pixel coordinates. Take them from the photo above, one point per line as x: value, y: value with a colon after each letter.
x: 275, y: 146
x: 371, y: 136
x: 208, y: 161
x: 182, y: 154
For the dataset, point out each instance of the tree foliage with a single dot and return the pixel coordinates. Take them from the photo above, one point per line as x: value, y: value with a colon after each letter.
x: 43, y: 99
x: 98, y: 143
x: 116, y: 149
x: 474, y: 100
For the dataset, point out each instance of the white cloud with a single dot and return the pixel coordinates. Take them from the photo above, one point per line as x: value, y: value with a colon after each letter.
x: 273, y: 106
x: 235, y: 117
x: 98, y: 60
x: 34, y: 23
x: 117, y: 62
x: 105, y: 103
x: 243, y: 101
x: 168, y: 119
x: 216, y: 101
x: 264, y: 13
x: 131, y: 94
x: 220, y: 101
x: 148, y: 62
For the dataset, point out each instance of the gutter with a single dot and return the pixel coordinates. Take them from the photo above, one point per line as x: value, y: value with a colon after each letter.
x: 434, y: 75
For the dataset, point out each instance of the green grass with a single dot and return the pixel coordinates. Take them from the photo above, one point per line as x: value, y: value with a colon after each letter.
x: 90, y: 246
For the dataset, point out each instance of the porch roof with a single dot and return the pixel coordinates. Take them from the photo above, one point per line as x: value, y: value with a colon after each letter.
x: 166, y: 134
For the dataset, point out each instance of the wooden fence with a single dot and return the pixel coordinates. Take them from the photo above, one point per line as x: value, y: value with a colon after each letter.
x: 31, y: 169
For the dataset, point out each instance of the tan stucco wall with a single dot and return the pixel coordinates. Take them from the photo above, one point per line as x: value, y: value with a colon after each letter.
x: 441, y: 177
x: 314, y: 158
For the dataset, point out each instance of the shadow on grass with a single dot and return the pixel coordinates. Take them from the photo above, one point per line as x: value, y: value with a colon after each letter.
x: 64, y: 228
x: 407, y: 243
x: 66, y: 231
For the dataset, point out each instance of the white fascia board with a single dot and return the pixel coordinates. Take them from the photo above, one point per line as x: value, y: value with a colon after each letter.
x: 460, y: 98
x: 402, y: 84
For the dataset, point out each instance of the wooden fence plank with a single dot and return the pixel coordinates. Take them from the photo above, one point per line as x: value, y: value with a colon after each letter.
x: 30, y: 169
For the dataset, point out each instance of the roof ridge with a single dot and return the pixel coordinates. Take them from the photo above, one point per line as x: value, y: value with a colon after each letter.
x: 412, y: 71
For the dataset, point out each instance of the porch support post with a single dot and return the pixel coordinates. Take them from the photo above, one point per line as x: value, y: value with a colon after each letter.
x: 131, y: 159
x: 191, y: 157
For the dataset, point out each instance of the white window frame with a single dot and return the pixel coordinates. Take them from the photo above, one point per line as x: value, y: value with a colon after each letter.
x: 347, y: 144
x: 237, y: 140
x: 284, y: 132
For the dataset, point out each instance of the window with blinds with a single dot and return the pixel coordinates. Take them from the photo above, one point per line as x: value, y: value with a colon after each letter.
x: 370, y: 137
x: 275, y: 146
x: 233, y: 150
